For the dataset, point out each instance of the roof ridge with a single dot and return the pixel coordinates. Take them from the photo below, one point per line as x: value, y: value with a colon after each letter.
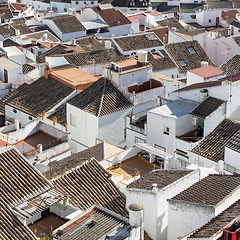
x: 103, y: 94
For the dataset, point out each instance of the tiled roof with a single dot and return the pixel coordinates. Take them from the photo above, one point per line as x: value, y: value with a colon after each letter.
x: 160, y: 32
x: 91, y: 184
x: 162, y: 178
x: 218, y: 222
x: 7, y: 13
x: 60, y: 114
x: 20, y: 6
x: 95, y: 57
x: 7, y: 98
x: 191, y: 7
x: 60, y: 49
x: 26, y: 68
x: 67, y: 23
x: 170, y: 22
x: 101, y: 98
x: 232, y: 66
x: 138, y: 41
x: 188, y: 33
x: 6, y: 30
x: 164, y: 7
x: 24, y: 29
x: 41, y: 95
x: 210, y: 190
x: 89, y: 43
x: 18, y: 180
x: 219, y: 5
x: 236, y: 4
x: 9, y: 43
x: 112, y: 17
x: 179, y: 51
x: 98, y: 152
x: 208, y: 106
x: 105, y: 225
x: 212, y: 147
x: 18, y: 20
x: 235, y: 23
x: 234, y: 142
x: 207, y: 71
x: 159, y: 63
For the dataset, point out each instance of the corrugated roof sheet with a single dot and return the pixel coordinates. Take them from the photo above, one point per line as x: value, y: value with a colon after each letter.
x: 94, y: 24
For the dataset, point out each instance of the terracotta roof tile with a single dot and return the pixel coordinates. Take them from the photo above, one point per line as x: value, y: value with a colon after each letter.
x: 170, y: 22
x: 26, y: 68
x: 232, y: 66
x: 211, y: 190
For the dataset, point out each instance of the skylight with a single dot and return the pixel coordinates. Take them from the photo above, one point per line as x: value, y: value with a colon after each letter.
x: 191, y: 50
x: 182, y: 63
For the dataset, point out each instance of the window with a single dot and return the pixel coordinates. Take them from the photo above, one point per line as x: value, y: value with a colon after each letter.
x: 73, y: 120
x: 191, y: 50
x: 209, y: 20
x: 166, y: 130
x: 160, y: 147
x: 182, y: 63
x: 173, y: 76
x: 14, y: 110
x: 76, y: 2
x: 92, y: 3
x: 30, y: 118
x: 139, y: 140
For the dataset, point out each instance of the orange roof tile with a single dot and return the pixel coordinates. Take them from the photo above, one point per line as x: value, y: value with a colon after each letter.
x: 207, y: 72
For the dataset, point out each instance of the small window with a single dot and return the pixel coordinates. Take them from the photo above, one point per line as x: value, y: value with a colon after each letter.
x: 76, y: 2
x: 182, y: 63
x: 209, y: 20
x: 14, y: 110
x: 160, y: 147
x: 30, y: 118
x: 166, y: 130
x: 173, y: 76
x: 191, y: 50
x: 139, y: 140
x: 73, y: 120
x: 92, y: 3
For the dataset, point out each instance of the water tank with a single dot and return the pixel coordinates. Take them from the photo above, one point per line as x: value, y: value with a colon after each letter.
x: 204, y: 64
x: 204, y: 94
x: 142, y: 56
x: 34, y: 41
x: 135, y: 214
x: 107, y: 45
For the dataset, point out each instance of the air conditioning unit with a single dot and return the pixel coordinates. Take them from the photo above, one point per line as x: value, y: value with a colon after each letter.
x: 195, y: 121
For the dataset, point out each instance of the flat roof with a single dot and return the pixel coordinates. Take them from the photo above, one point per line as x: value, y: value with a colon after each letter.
x: 174, y: 109
x: 207, y: 72
x: 128, y: 65
x: 74, y: 77
x: 152, y: 13
x: 13, y: 51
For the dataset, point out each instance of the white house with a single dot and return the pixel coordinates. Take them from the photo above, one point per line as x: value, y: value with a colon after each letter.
x: 65, y: 27
x: 204, y: 74
x: 234, y: 27
x: 15, y: 54
x: 199, y: 203
x: 152, y: 191
x: 10, y: 71
x: 97, y: 114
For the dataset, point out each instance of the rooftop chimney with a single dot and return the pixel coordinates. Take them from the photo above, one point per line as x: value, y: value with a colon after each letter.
x: 73, y: 42
x: 142, y: 58
x: 34, y: 41
x: 154, y: 187
x: 204, y: 64
x: 107, y: 44
x: 47, y: 71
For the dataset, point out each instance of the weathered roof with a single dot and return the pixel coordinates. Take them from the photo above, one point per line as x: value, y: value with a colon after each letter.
x: 208, y: 106
x: 191, y: 7
x: 219, y: 4
x: 67, y: 23
x: 161, y: 62
x: 90, y: 184
x: 179, y: 51
x: 170, y: 22
x: 6, y: 30
x: 234, y: 142
x: 7, y: 13
x: 162, y: 178
x: 232, y: 66
x: 188, y: 33
x: 26, y: 68
x: 126, y: 3
x: 19, y: 181
x: 104, y: 223
x: 95, y: 57
x: 9, y: 43
x: 18, y: 20
x: 211, y: 190
x: 39, y: 31
x: 237, y: 40
x: 217, y: 223
x: 212, y: 147
x: 101, y: 98
x: 20, y: 6
x: 22, y: 27
x: 89, y: 43
x: 41, y: 95
x: 60, y: 114
x: 138, y: 41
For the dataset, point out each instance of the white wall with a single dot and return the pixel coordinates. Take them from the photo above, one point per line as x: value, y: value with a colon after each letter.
x: 56, y: 61
x: 170, y: 72
x: 111, y: 127
x: 174, y: 38
x: 185, y: 217
x: 204, y: 17
x: 71, y: 35
x: 232, y: 157
x: 118, y: 31
x: 184, y: 124
x: 86, y: 130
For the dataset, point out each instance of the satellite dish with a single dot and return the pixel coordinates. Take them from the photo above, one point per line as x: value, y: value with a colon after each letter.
x: 44, y: 36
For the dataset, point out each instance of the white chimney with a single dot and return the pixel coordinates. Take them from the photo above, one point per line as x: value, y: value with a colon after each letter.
x: 73, y: 42
x: 204, y: 64
x: 34, y: 41
x: 135, y: 214
x: 154, y: 187
x: 142, y: 58
x: 40, y: 148
x: 204, y: 94
x: 16, y: 123
x: 107, y: 45
x: 17, y: 32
